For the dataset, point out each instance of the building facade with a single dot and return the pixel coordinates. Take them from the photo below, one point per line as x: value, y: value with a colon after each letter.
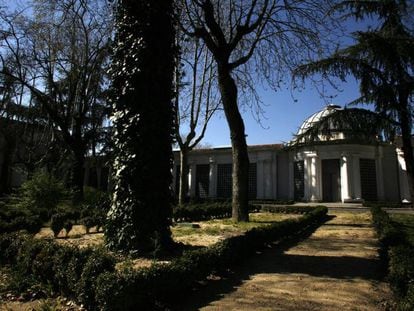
x: 329, y: 170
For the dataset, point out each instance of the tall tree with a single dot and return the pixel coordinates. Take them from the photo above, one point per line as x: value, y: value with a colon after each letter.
x: 252, y: 40
x: 142, y: 81
x: 60, y: 52
x: 382, y: 59
x: 196, y: 102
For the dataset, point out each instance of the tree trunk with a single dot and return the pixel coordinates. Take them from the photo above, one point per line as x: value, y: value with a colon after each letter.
x: 228, y: 91
x: 407, y: 147
x: 5, y: 168
x: 183, y: 187
x: 77, y: 173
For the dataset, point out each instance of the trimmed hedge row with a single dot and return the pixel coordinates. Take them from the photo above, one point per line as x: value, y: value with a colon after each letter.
x: 218, y: 210
x: 398, y: 253
x: 89, y: 276
x: 287, y: 209
x: 205, y: 211
x: 66, y: 270
x: 272, y: 201
x: 384, y: 204
x: 31, y: 223
x: 163, y: 284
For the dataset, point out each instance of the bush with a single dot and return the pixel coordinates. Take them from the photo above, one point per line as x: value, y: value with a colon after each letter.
x: 156, y: 287
x: 204, y: 211
x: 398, y: 254
x: 10, y: 245
x: 68, y: 226
x: 57, y: 223
x: 98, y: 262
x: 287, y: 209
x: 31, y: 223
x: 41, y: 195
x: 94, y: 210
x: 383, y: 204
x: 69, y: 271
x: 401, y: 268
x: 89, y: 276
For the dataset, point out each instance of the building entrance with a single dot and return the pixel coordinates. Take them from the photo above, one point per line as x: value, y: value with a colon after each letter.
x: 331, y: 180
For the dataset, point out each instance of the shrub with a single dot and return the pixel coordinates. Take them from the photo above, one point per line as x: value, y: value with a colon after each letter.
x: 89, y: 276
x: 57, y: 223
x: 383, y: 204
x: 398, y: 254
x: 88, y: 222
x: 156, y: 287
x: 401, y: 268
x: 41, y: 195
x: 98, y: 262
x: 10, y: 245
x: 287, y: 209
x: 204, y: 211
x: 68, y: 226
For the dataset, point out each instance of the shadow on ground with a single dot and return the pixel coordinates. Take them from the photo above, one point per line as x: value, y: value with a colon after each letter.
x: 296, y: 269
x: 263, y: 262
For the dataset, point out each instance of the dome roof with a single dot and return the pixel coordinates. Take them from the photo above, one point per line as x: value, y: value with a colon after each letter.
x: 309, y: 122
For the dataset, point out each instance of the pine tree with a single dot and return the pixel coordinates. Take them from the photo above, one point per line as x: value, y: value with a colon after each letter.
x: 382, y: 60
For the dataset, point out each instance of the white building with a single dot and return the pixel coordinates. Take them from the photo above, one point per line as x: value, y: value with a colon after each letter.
x: 329, y: 170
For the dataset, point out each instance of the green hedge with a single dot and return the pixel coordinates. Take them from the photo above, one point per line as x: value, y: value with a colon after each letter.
x: 398, y: 254
x: 288, y: 209
x: 384, y: 204
x: 204, y: 211
x: 89, y: 276
x: 272, y: 201
x: 162, y: 284
x: 218, y: 210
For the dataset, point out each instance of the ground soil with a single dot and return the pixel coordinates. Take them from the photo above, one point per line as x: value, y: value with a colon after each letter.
x: 336, y: 268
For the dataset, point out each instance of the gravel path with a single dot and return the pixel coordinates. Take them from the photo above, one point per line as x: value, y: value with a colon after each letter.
x: 336, y: 268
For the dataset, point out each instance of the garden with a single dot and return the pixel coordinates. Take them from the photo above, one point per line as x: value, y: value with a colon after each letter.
x: 51, y: 247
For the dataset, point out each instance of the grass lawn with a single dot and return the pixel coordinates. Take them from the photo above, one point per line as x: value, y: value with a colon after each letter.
x: 212, y: 231
x: 406, y: 222
x: 205, y: 234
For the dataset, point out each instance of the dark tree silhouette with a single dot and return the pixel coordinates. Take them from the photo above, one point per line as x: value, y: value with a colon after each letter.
x: 59, y: 53
x: 382, y: 60
x: 251, y: 39
x: 142, y: 75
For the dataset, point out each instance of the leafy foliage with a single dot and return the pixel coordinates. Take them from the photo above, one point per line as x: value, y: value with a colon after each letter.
x: 382, y: 59
x: 397, y: 252
x: 355, y: 124
x: 41, y: 195
x: 142, y: 75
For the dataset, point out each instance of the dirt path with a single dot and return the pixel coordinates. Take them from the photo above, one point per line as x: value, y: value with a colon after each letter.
x: 336, y: 268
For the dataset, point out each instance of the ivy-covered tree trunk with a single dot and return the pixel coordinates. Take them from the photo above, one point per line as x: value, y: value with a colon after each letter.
x: 142, y: 74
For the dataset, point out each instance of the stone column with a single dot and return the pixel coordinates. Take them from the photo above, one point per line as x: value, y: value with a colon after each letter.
x: 356, y: 173
x: 346, y: 177
x: 380, y: 174
x: 212, y: 191
x: 312, y: 172
x: 192, y: 180
x: 314, y: 180
x: 260, y: 179
x: 274, y: 177
x: 402, y: 177
x: 290, y: 178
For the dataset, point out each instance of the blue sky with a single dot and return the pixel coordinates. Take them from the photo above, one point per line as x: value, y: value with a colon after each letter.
x: 284, y: 113
x: 285, y: 110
